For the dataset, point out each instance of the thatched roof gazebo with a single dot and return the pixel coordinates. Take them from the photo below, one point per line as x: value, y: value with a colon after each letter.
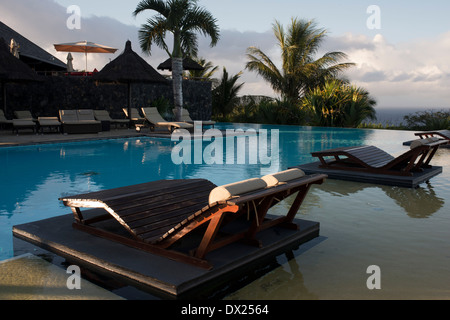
x: 188, y: 64
x: 13, y: 70
x: 129, y: 68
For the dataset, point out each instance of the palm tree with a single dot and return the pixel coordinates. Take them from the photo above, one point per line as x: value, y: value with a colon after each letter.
x: 300, y: 71
x: 203, y: 75
x: 339, y: 104
x: 181, y: 18
x: 225, y: 95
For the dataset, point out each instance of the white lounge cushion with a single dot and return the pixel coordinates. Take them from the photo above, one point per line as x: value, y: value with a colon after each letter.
x: 23, y: 123
x: 231, y: 190
x: 421, y: 142
x: 49, y: 121
x: 284, y: 176
x: 68, y: 115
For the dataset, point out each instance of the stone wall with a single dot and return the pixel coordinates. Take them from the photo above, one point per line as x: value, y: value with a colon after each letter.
x: 55, y: 93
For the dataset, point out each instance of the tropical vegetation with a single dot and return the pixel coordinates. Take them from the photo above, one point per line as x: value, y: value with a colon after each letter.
x: 225, y: 94
x: 300, y: 70
x: 428, y: 120
x: 339, y: 104
x: 183, y: 19
x: 206, y: 74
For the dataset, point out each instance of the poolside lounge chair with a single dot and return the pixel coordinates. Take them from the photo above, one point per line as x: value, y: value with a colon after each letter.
x: 442, y: 134
x: 135, y: 115
x: 79, y: 121
x: 103, y: 115
x: 3, y: 121
x: 374, y: 160
x: 24, y: 115
x: 185, y: 117
x: 19, y: 124
x: 181, y: 219
x: 50, y: 123
x: 157, y: 121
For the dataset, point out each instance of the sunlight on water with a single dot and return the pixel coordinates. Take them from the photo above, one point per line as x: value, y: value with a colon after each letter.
x: 403, y: 231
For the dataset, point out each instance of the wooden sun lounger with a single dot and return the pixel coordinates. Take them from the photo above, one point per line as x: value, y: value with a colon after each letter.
x: 156, y: 120
x: 442, y: 134
x: 374, y: 160
x: 185, y: 117
x: 158, y: 216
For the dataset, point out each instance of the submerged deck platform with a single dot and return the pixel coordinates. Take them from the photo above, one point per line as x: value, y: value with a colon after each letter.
x: 158, y: 275
x: 384, y: 179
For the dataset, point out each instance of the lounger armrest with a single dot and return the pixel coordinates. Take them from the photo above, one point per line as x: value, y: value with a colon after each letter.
x: 430, y: 142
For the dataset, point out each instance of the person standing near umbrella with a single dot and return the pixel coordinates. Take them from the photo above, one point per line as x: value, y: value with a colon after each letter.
x: 182, y: 18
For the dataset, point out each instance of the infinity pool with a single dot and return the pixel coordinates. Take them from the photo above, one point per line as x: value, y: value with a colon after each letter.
x: 405, y: 232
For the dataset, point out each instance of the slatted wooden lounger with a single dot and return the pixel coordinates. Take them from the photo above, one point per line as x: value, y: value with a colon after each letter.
x: 442, y: 134
x: 159, y: 215
x: 374, y: 160
x: 155, y: 120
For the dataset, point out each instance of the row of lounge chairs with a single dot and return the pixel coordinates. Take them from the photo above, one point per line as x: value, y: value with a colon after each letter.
x: 94, y: 121
x: 25, y: 120
x: 153, y: 119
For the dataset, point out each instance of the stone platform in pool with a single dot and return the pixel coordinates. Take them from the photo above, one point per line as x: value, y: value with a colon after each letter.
x: 391, y: 180
x: 158, y: 275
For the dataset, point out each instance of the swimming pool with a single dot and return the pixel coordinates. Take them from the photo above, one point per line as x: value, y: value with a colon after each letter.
x: 403, y: 231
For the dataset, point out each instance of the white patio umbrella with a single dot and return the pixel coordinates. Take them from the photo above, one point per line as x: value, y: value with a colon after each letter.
x: 84, y: 46
x: 69, y: 62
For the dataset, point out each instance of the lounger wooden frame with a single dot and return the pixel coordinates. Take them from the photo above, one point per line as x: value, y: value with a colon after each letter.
x: 374, y: 160
x: 157, y: 215
x: 443, y: 134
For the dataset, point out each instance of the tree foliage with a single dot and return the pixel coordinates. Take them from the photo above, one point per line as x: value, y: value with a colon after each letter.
x: 300, y: 70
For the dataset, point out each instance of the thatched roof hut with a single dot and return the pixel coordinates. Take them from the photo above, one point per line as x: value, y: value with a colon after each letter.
x: 13, y: 69
x: 34, y: 56
x: 188, y: 64
x: 129, y: 67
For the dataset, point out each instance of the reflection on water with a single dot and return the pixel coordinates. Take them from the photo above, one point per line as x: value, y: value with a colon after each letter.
x: 283, y: 283
x: 28, y: 277
x: 404, y: 231
x: 421, y: 202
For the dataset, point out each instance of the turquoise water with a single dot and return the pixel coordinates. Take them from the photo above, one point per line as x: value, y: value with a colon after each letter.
x: 403, y: 231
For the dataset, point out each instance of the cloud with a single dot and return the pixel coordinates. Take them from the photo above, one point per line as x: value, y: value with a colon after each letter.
x: 44, y: 22
x: 413, y: 73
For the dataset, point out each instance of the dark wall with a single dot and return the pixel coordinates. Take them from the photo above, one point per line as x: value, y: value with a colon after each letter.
x: 55, y: 93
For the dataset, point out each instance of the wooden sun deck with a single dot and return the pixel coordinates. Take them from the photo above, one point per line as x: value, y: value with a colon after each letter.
x: 371, y: 159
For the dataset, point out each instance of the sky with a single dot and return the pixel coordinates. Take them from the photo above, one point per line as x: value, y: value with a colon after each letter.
x: 401, y: 50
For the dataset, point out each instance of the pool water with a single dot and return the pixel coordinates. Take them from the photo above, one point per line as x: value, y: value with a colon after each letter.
x: 405, y: 232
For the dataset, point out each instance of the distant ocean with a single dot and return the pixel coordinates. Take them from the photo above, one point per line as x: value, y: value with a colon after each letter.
x: 394, y: 116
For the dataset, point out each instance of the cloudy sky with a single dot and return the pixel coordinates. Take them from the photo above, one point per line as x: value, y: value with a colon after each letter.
x: 401, y: 54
